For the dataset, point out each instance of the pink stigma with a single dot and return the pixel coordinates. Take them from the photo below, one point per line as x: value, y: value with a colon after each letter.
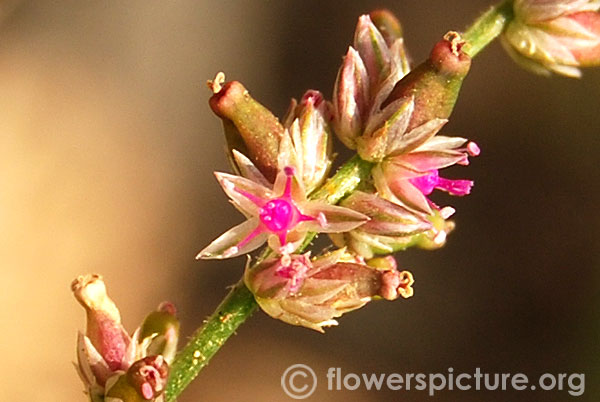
x: 277, y: 214
x: 427, y: 183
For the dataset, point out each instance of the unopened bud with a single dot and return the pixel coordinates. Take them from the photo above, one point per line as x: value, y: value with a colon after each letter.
x: 434, y: 84
x: 104, y: 329
x: 159, y: 332
x: 387, y: 24
x: 308, y: 126
x: 249, y: 126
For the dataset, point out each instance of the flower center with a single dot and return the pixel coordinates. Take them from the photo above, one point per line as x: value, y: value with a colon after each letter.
x: 277, y: 214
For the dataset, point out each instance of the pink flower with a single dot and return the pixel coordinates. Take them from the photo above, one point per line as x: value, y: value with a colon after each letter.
x: 282, y: 215
x: 312, y: 293
x: 407, y: 179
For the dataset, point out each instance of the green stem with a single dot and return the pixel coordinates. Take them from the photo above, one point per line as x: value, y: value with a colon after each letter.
x: 487, y: 27
x: 239, y: 304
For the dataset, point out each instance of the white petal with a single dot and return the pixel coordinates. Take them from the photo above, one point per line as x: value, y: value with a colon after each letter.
x: 432, y: 160
x: 246, y: 194
x: 248, y: 169
x: 331, y: 218
x: 227, y: 245
x: 419, y: 135
x: 287, y: 155
x: 442, y: 143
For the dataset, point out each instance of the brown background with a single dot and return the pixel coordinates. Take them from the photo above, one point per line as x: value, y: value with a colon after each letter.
x: 106, y: 151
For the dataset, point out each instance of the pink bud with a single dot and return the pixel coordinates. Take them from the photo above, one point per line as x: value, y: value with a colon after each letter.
x: 350, y: 98
x: 104, y: 328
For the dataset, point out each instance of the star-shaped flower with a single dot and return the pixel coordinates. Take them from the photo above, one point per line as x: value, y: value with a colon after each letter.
x: 281, y: 215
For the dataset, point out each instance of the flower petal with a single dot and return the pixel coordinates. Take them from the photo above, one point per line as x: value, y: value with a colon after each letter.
x: 248, y: 169
x: 288, y: 181
x: 410, y: 196
x: 442, y: 143
x: 373, y: 50
x: 331, y: 218
x: 288, y: 156
x: 419, y: 135
x: 247, y: 195
x: 433, y: 160
x: 398, y: 189
x: 387, y: 218
x: 228, y: 244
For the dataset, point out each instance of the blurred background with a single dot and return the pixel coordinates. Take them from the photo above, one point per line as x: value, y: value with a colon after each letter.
x: 107, y: 148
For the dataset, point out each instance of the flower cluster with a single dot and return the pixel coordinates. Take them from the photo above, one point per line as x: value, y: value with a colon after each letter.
x: 391, y: 116
x: 117, y: 367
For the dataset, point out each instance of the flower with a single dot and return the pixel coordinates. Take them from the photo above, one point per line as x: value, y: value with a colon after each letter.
x: 408, y: 178
x: 554, y: 35
x: 312, y: 293
x: 392, y: 228
x: 379, y: 108
x: 282, y: 215
x: 106, y: 354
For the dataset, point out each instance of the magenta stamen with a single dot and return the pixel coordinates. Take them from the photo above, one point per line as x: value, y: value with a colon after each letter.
x: 289, y: 172
x: 283, y: 238
x: 455, y: 187
x: 427, y: 183
x: 251, y: 236
x: 259, y: 202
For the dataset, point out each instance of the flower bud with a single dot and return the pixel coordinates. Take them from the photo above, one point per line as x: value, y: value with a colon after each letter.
x: 387, y: 24
x: 434, y: 85
x: 373, y: 51
x: 159, y: 332
x: 554, y: 36
x: 369, y: 72
x: 312, y: 294
x: 387, y: 236
x: 144, y: 381
x: 308, y: 128
x: 391, y: 30
x: 249, y: 126
x: 350, y: 99
x: 106, y: 347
